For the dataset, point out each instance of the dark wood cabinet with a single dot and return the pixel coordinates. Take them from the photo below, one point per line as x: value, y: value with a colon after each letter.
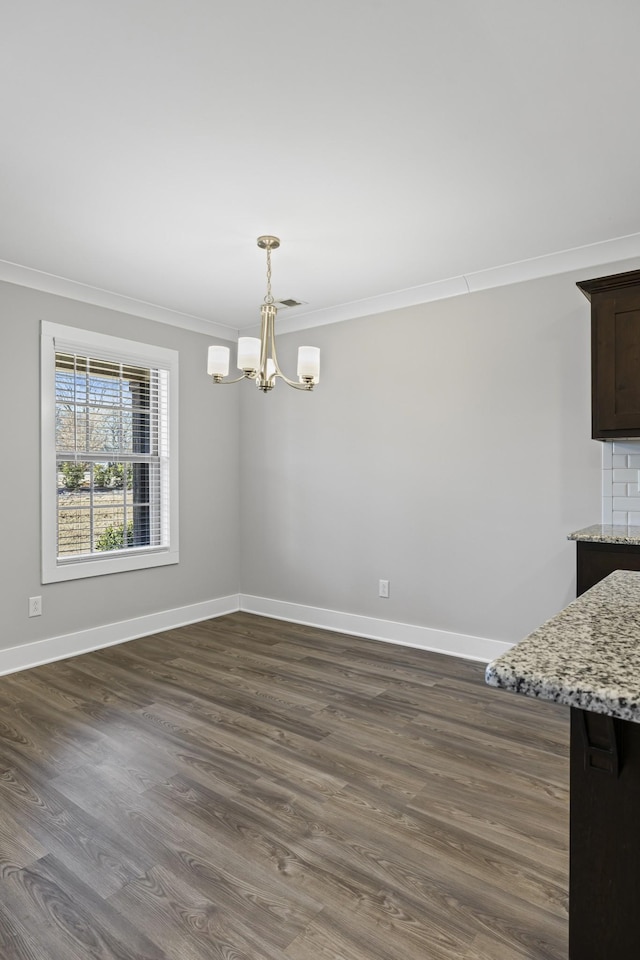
x: 597, y: 560
x: 604, y: 920
x: 615, y: 354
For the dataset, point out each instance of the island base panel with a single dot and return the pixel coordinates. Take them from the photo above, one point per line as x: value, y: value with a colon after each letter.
x: 604, y: 885
x: 595, y: 561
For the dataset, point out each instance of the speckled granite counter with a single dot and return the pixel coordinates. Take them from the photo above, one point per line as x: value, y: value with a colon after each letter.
x: 588, y: 656
x: 607, y: 533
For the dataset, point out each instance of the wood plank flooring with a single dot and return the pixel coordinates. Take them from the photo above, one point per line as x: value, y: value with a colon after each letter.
x: 246, y: 789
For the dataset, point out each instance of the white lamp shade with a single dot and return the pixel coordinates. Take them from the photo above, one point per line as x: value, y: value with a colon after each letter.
x: 218, y: 361
x: 271, y: 368
x: 248, y: 353
x: 309, y: 363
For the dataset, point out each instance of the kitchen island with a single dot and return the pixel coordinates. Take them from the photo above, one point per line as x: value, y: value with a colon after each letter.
x: 588, y: 658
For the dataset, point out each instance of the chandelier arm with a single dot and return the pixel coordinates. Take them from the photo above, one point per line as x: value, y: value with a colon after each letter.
x: 272, y: 344
x: 264, y: 344
x: 294, y: 383
x: 243, y: 376
x: 278, y: 372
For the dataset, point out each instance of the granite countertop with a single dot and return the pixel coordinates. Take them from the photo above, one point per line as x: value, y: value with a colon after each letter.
x: 607, y: 533
x: 587, y: 656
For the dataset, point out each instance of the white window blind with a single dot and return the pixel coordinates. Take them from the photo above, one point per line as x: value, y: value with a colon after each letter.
x: 111, y: 472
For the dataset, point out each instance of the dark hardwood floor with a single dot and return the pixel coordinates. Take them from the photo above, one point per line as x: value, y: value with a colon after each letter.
x: 246, y: 789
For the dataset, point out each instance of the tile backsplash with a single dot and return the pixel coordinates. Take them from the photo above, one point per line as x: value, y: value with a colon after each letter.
x: 621, y: 482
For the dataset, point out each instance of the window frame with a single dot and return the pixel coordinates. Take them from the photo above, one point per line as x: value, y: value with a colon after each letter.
x: 101, y: 346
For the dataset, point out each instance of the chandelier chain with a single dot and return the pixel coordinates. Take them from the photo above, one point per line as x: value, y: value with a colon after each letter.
x: 269, y: 297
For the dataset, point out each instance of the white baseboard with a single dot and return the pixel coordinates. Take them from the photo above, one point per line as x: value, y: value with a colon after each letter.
x: 405, y: 634
x: 71, y: 644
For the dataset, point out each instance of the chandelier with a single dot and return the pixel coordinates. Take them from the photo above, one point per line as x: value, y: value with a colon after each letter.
x: 257, y: 358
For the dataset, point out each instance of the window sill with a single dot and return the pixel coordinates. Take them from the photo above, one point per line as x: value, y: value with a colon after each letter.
x: 79, y: 569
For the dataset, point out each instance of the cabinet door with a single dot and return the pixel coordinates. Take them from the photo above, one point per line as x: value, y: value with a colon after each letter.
x: 616, y: 364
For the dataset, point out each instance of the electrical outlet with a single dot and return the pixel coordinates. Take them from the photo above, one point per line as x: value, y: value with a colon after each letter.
x: 35, y: 606
x: 383, y: 588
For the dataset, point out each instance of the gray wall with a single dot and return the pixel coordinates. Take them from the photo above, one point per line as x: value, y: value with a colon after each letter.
x: 457, y: 479
x: 209, y: 424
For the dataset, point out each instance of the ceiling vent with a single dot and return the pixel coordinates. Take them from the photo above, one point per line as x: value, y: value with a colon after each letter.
x: 289, y: 302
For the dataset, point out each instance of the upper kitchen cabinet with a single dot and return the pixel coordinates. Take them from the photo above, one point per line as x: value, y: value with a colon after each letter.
x: 615, y: 355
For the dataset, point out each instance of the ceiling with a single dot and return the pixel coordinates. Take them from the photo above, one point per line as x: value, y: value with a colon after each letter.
x: 391, y: 144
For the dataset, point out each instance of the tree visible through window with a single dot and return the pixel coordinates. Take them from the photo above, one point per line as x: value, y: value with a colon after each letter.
x: 111, y: 476
x: 107, y: 415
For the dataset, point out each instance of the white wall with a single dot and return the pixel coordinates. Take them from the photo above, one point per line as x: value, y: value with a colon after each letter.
x: 446, y: 449
x: 209, y: 423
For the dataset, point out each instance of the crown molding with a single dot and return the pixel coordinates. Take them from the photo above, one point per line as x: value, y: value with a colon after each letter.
x: 564, y: 261
x: 61, y: 287
x: 535, y: 268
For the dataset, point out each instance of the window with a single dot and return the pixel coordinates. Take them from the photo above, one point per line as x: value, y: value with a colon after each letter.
x: 109, y: 454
